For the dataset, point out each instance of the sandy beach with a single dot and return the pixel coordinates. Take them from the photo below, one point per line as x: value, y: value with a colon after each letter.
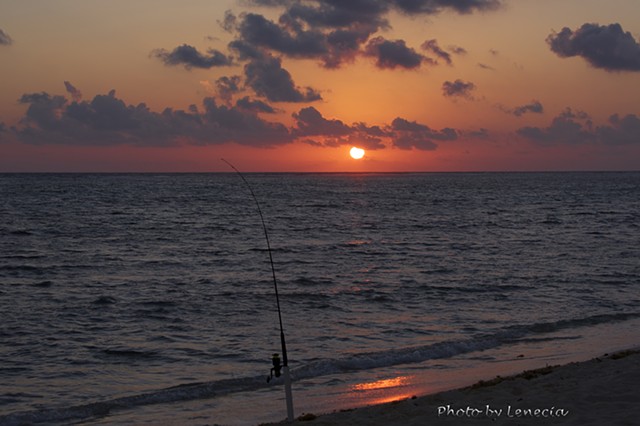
x: 603, y: 390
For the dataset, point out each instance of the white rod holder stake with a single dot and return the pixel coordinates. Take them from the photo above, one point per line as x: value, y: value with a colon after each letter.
x: 288, y: 392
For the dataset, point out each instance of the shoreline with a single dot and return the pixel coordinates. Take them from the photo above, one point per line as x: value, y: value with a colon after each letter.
x: 602, y: 390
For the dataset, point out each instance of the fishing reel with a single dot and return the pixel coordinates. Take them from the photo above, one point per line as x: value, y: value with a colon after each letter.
x: 277, y: 367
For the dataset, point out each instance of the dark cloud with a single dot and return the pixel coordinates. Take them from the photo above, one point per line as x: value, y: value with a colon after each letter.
x: 190, y: 57
x: 336, y: 31
x: 76, y: 95
x: 256, y: 30
x: 577, y: 128
x: 344, y: 45
x: 333, y: 32
x: 340, y: 14
x: 246, y: 51
x: 310, y: 122
x: 334, y: 132
x: 436, y: 6
x: 486, y: 67
x: 534, y: 106
x: 458, y: 88
x: 410, y: 141
x: 229, y: 22
x: 380, y: 7
x: 267, y: 78
x: 478, y: 134
x: 620, y: 131
x: 43, y: 109
x: 248, y: 104
x: 370, y: 137
x: 457, y: 50
x: 107, y: 120
x: 410, y: 134
x: 391, y: 54
x: 568, y: 128
x: 293, y: 36
x: 401, y: 133
x: 241, y: 126
x: 604, y: 46
x: 5, y: 40
x: 432, y: 46
x: 226, y: 87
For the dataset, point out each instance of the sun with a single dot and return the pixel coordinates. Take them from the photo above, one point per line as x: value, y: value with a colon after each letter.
x: 356, y: 153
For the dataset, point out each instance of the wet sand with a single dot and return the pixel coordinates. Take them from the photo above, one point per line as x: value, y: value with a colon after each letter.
x: 603, y: 390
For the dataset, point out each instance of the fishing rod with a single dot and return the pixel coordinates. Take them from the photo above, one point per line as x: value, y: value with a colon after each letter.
x: 279, y: 367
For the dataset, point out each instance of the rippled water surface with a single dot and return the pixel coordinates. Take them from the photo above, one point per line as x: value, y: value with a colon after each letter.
x: 117, y: 287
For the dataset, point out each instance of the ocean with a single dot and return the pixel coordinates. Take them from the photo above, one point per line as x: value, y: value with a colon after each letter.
x: 149, y: 298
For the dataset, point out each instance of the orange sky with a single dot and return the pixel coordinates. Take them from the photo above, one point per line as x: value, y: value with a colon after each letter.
x: 288, y: 85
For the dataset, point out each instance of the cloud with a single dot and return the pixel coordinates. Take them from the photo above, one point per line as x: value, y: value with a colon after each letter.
x: 344, y: 45
x: 339, y: 14
x: 310, y: 122
x: 335, y: 32
x: 331, y: 31
x: 226, y: 87
x: 229, y: 22
x: 76, y: 95
x: 369, y: 137
x: 334, y: 132
x: 432, y: 46
x: 240, y: 126
x: 256, y: 30
x: 401, y: 133
x: 577, y: 128
x: 481, y: 133
x: 568, y: 128
x: 246, y: 51
x: 410, y: 134
x: 248, y: 104
x: 107, y: 120
x: 436, y: 6
x: 190, y: 57
x: 620, y: 131
x: 457, y: 50
x: 267, y: 78
x: 534, y: 106
x: 606, y: 47
x: 391, y: 54
x: 458, y: 88
x: 380, y: 7
x: 330, y: 34
x: 44, y: 110
x: 5, y: 40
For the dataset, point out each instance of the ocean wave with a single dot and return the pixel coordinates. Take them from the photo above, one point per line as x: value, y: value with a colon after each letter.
x: 317, y: 368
